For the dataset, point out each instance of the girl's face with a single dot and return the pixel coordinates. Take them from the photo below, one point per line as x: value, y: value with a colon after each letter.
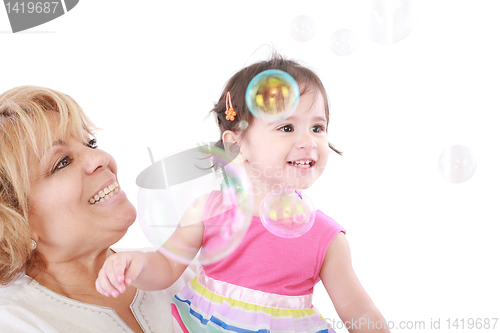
x: 63, y: 219
x: 291, y: 152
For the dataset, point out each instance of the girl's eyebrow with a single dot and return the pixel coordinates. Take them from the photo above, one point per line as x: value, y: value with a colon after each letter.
x: 317, y: 118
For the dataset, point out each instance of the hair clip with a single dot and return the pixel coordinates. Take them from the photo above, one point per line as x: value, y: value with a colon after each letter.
x: 230, y: 113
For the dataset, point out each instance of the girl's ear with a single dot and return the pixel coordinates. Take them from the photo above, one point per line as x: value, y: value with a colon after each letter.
x: 229, y: 136
x: 231, y: 144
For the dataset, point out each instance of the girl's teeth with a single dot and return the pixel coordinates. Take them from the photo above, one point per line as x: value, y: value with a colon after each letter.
x: 105, y: 193
x: 301, y: 163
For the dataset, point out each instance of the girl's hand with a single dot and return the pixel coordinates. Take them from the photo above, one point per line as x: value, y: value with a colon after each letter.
x: 119, y: 271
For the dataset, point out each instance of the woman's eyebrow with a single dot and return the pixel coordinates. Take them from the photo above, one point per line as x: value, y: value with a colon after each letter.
x: 58, y: 143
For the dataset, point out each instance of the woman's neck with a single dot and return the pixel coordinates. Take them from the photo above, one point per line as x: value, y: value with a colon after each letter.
x: 73, y: 277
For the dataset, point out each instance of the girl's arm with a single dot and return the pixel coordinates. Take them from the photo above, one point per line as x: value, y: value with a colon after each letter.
x: 354, y: 306
x: 153, y: 270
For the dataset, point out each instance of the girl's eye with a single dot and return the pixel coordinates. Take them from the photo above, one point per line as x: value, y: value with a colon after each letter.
x: 64, y: 162
x: 286, y: 128
x: 92, y: 144
x: 318, y: 129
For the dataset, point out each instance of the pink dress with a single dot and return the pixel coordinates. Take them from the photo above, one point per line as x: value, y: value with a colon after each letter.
x: 264, y: 285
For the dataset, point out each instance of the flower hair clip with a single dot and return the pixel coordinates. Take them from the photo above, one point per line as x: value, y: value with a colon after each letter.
x: 230, y: 113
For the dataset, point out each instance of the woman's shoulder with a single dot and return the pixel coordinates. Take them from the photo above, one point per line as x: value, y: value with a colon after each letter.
x: 15, y: 299
x: 15, y: 290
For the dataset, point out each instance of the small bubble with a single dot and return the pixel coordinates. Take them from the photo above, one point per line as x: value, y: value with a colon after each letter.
x: 302, y: 28
x: 457, y: 164
x: 243, y: 125
x: 343, y: 42
x: 287, y: 214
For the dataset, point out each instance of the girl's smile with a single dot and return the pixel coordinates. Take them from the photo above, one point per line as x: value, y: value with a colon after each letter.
x: 303, y: 163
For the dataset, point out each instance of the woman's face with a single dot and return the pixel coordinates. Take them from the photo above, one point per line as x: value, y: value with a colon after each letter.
x: 65, y: 219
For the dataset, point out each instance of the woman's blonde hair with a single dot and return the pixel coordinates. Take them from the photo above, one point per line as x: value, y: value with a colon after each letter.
x: 26, y: 132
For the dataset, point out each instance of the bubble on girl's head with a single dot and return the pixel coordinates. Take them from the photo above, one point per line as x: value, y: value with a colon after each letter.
x: 457, y: 164
x: 243, y: 125
x: 343, y: 42
x: 272, y: 95
x: 287, y: 213
x: 302, y: 28
x: 389, y: 21
x: 177, y: 205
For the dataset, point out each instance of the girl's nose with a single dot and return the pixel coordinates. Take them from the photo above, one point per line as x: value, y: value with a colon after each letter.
x: 306, y: 141
x: 95, y: 159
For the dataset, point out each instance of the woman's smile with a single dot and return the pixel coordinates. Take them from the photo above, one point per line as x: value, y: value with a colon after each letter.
x: 104, y: 194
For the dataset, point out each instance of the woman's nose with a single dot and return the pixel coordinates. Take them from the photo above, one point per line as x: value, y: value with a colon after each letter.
x: 95, y: 159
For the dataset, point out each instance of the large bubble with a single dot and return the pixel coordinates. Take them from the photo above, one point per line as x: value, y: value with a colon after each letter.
x: 457, y: 164
x: 389, y: 21
x: 173, y: 210
x: 287, y: 213
x: 272, y: 95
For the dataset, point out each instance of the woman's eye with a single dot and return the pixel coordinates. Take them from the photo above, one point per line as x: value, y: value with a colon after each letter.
x: 318, y: 129
x: 92, y: 143
x: 286, y: 128
x: 64, y: 162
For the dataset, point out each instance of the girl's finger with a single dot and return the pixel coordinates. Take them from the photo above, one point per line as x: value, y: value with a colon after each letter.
x: 104, y: 286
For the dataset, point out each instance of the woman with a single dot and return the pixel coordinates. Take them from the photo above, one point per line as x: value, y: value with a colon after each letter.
x: 61, y: 208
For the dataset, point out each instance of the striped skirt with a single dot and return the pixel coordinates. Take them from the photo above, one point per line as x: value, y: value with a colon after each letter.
x: 208, y: 305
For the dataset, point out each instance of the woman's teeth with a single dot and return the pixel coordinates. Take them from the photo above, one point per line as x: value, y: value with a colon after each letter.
x: 301, y: 164
x: 105, y: 193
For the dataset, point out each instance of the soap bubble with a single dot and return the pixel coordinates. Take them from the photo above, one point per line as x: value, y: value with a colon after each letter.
x: 272, y: 95
x: 302, y: 28
x: 287, y: 213
x: 243, y: 125
x: 343, y: 42
x: 457, y: 164
x: 389, y: 21
x: 164, y: 209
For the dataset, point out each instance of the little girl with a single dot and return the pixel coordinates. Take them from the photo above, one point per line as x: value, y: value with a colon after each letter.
x: 266, y: 283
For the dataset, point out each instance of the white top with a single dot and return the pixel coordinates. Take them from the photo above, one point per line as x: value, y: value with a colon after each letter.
x: 27, y: 307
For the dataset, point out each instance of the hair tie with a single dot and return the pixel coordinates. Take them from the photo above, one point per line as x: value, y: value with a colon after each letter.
x: 230, y: 113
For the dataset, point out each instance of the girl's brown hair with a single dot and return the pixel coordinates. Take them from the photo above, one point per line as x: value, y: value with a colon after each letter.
x: 26, y: 131
x: 238, y: 83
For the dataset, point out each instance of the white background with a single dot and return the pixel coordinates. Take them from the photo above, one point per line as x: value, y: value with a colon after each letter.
x: 148, y: 72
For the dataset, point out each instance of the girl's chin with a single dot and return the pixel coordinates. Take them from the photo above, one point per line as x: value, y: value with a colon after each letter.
x: 282, y: 186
